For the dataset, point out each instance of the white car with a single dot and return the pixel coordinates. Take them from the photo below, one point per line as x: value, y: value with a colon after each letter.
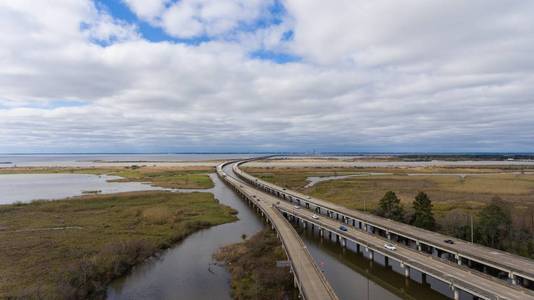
x: 296, y: 207
x: 390, y: 247
x: 316, y: 217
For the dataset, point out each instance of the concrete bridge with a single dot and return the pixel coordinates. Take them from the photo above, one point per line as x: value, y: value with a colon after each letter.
x: 308, y: 278
x: 417, y: 250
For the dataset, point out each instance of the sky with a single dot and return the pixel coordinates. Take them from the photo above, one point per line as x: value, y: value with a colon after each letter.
x: 266, y: 75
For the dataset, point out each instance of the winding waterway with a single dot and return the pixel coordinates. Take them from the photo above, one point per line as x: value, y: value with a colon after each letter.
x: 188, y: 271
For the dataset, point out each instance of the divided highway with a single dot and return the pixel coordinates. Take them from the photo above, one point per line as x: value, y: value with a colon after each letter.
x: 457, y: 276
x: 310, y: 280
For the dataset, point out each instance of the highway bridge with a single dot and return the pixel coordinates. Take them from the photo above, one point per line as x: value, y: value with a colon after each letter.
x: 308, y: 278
x: 417, y: 250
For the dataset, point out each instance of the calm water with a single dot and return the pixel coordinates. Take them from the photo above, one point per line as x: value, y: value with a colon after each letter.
x: 78, y: 160
x: 353, y: 276
x: 188, y: 271
x: 28, y: 187
x: 313, y: 180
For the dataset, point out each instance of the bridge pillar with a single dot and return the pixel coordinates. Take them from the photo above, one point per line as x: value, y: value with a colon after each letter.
x: 456, y: 293
x: 458, y: 259
x: 418, y: 245
x: 406, y: 269
x: 388, y: 235
x: 343, y: 242
x: 304, y: 224
x: 321, y: 232
x: 512, y: 276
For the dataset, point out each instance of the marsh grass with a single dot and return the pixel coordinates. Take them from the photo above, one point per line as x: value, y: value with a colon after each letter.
x: 103, y: 237
x: 252, y: 264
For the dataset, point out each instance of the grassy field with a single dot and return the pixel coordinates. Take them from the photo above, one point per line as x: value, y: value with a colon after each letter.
x: 252, y: 264
x: 167, y: 177
x: 74, y: 248
x: 449, y: 193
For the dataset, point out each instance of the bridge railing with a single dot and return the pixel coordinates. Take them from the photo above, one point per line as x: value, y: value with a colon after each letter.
x: 250, y: 178
x: 237, y: 186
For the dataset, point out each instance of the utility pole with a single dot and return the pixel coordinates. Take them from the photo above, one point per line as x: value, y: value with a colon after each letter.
x: 472, y: 235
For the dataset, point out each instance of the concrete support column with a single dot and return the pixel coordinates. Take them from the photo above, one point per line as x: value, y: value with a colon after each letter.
x: 456, y: 293
x: 406, y: 269
x: 418, y: 245
x: 343, y: 242
x: 458, y: 259
x: 369, y: 252
x: 305, y: 224
x: 388, y: 235
x: 512, y: 276
x: 321, y: 232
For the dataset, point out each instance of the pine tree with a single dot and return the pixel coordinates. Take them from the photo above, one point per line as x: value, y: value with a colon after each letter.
x: 423, y: 216
x: 390, y: 207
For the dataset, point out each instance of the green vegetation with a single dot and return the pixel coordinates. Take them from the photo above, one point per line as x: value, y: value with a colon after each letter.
x: 73, y: 248
x: 423, y: 216
x: 167, y: 177
x: 458, y: 194
x: 494, y: 223
x: 252, y: 264
x: 389, y: 207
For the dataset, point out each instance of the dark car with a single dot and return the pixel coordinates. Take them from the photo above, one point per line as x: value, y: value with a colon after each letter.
x: 449, y: 241
x: 343, y: 228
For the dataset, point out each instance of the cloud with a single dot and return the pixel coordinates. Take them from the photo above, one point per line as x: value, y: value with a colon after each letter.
x: 381, y: 75
x: 147, y: 10
x: 194, y: 18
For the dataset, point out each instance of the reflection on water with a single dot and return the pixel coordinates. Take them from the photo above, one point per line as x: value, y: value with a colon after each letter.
x: 355, y: 277
x: 188, y: 271
x: 28, y: 187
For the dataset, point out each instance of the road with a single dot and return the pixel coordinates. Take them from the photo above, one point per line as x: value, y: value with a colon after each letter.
x: 502, y: 260
x: 462, y: 277
x: 312, y: 282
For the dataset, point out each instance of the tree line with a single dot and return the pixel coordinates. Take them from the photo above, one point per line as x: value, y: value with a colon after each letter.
x: 493, y: 226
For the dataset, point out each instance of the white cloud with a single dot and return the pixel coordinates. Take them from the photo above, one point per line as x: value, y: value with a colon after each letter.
x: 421, y: 75
x: 148, y: 10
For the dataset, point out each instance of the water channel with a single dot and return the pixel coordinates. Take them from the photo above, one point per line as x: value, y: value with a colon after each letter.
x: 188, y: 271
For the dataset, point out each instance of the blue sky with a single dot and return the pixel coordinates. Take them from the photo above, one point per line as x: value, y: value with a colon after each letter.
x: 266, y: 75
x: 274, y: 15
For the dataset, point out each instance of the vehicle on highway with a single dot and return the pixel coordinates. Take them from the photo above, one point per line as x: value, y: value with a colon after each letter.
x: 390, y: 247
x: 316, y: 217
x: 343, y: 228
x: 296, y: 206
x: 449, y: 241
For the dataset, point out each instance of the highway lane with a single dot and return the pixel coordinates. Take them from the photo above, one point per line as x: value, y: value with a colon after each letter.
x: 492, y: 257
x: 464, y: 278
x: 313, y: 284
